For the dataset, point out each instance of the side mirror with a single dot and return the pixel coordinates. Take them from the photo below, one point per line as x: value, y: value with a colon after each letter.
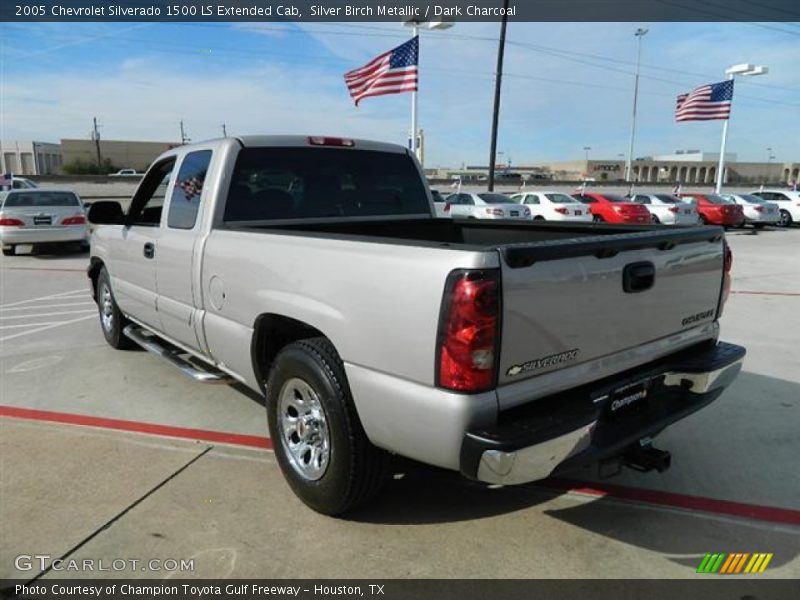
x: 106, y: 212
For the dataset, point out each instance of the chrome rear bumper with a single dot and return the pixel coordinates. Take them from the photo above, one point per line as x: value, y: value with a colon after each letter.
x: 577, y: 428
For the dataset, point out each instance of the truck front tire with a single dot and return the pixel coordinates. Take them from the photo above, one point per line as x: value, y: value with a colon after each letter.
x: 318, y: 439
x: 112, y: 321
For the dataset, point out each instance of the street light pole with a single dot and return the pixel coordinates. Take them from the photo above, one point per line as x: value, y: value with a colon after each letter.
x: 586, y: 149
x: 732, y: 72
x: 497, y: 83
x: 640, y: 33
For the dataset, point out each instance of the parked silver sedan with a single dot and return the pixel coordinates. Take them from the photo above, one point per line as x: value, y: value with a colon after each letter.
x: 37, y: 216
x: 757, y: 211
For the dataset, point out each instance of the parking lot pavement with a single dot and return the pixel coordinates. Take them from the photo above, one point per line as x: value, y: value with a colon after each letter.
x: 230, y: 509
x: 230, y: 512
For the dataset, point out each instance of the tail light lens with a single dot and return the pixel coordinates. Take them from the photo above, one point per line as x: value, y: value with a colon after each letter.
x: 467, y: 348
x: 498, y: 212
x: 759, y: 208
x: 446, y: 207
x: 561, y: 211
x: 9, y: 222
x: 79, y: 220
x: 674, y: 209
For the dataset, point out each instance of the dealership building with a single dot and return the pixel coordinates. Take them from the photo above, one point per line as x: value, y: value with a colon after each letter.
x: 684, y: 166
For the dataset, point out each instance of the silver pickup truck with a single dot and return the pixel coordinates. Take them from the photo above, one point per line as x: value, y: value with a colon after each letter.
x: 314, y: 270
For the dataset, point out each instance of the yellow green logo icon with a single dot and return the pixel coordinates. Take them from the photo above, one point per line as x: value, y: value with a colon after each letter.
x: 737, y: 563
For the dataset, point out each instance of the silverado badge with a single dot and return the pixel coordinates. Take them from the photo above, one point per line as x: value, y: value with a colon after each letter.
x: 541, y: 363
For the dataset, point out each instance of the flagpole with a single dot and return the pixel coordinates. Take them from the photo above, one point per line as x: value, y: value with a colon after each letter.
x: 414, y: 107
x: 721, y: 164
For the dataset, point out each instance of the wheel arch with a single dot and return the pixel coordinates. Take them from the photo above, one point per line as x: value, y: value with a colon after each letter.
x: 93, y: 272
x: 271, y: 333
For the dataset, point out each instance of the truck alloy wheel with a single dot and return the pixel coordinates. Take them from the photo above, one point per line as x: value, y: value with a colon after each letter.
x: 112, y: 321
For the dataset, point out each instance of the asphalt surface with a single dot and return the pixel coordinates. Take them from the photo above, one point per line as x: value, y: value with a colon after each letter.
x: 210, y: 493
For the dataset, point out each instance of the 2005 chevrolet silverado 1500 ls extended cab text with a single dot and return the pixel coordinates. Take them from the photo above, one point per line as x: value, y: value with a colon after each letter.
x: 313, y: 270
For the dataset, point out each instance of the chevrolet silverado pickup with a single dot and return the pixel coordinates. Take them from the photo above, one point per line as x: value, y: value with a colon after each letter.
x: 314, y: 271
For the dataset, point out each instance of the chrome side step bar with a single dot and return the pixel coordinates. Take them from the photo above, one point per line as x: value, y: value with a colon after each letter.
x: 172, y: 355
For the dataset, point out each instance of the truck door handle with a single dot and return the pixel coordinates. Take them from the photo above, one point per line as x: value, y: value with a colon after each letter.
x: 638, y: 277
x: 149, y: 250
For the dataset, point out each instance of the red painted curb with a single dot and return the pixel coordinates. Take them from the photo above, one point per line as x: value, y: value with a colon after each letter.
x: 252, y: 441
x: 770, y: 514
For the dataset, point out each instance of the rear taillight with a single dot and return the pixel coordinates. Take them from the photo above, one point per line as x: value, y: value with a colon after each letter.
x: 469, y: 331
x: 561, y: 211
x: 9, y: 222
x: 447, y: 207
x: 674, y: 209
x: 498, y: 212
x: 79, y: 220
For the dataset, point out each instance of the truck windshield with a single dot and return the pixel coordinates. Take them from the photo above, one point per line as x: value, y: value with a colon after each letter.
x: 36, y: 198
x: 299, y: 183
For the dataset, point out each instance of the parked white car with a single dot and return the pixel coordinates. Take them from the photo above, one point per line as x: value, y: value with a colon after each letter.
x: 19, y: 183
x: 485, y: 205
x: 126, y: 173
x: 757, y: 212
x: 36, y: 216
x: 788, y: 204
x: 553, y: 206
x: 668, y: 209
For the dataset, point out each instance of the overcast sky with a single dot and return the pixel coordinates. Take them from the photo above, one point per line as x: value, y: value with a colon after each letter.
x: 566, y: 85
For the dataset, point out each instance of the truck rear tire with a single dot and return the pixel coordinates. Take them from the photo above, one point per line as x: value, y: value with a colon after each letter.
x: 318, y: 439
x: 112, y: 321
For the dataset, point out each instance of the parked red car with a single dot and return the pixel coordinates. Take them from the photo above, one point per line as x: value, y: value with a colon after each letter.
x: 715, y: 210
x: 613, y: 208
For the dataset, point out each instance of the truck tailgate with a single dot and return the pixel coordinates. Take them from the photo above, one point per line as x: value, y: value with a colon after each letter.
x: 570, y: 301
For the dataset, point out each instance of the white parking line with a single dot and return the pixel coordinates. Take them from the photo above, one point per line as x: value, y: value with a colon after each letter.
x: 53, y: 314
x: 16, y: 335
x: 37, y: 307
x: 50, y: 297
x: 29, y: 325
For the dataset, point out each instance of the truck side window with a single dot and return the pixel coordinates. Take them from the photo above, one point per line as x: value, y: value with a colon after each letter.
x: 185, y: 201
x: 148, y: 201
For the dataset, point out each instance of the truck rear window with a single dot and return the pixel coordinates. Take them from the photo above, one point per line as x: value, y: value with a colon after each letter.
x: 299, y: 183
x: 37, y: 198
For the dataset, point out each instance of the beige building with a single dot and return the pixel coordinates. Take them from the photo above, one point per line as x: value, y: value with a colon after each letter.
x: 29, y: 158
x: 122, y: 154
x: 686, y: 167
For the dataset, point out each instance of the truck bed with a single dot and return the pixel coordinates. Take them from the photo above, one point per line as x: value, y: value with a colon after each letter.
x: 566, y: 294
x: 564, y: 239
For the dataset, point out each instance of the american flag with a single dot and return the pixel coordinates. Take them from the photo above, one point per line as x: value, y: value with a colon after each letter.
x: 392, y: 72
x: 706, y: 103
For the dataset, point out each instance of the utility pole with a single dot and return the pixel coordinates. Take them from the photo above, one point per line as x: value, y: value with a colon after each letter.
x: 184, y: 140
x: 497, y: 83
x: 224, y: 131
x: 96, y: 137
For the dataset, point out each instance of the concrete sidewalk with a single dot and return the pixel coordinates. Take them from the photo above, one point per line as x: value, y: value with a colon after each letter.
x: 87, y: 494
